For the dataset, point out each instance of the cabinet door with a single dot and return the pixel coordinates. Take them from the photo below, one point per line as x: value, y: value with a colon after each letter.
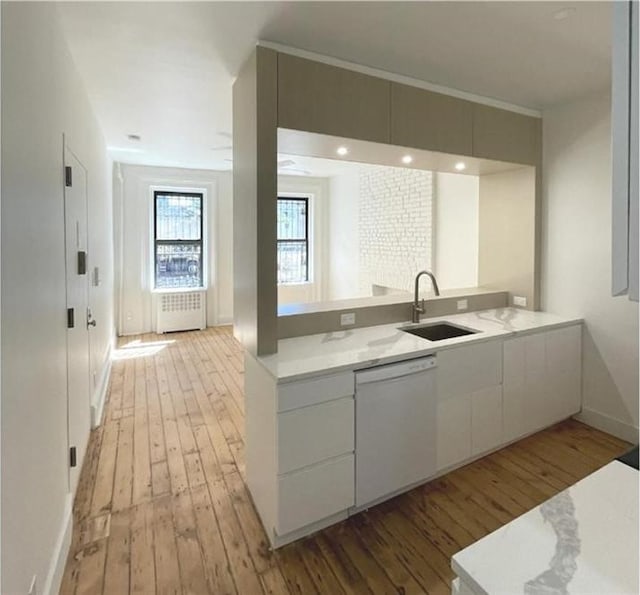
x: 542, y: 380
x: 563, y: 372
x: 486, y: 419
x: 432, y: 121
x: 506, y: 136
x: 321, y: 98
x: 454, y: 431
x: 463, y: 370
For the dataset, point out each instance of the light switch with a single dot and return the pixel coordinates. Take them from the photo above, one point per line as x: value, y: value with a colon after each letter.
x: 463, y: 304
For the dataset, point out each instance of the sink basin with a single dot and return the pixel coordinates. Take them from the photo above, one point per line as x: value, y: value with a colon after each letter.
x: 438, y: 331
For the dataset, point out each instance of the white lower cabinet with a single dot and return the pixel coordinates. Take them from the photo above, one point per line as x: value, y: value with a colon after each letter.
x: 469, y: 419
x: 542, y: 380
x: 300, y: 450
x: 301, y: 435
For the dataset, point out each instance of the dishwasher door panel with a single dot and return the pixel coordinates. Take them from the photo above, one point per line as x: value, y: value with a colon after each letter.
x: 395, y: 435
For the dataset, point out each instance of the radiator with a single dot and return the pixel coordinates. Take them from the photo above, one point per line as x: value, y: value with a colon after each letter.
x: 181, y: 311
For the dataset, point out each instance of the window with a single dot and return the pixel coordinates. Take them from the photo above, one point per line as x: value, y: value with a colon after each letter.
x: 293, y: 240
x: 177, y: 229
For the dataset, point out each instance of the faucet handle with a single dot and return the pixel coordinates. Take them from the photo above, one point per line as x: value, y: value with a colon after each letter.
x: 422, y: 308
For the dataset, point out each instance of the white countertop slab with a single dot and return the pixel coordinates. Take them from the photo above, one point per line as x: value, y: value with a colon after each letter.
x: 594, y: 552
x: 354, y: 349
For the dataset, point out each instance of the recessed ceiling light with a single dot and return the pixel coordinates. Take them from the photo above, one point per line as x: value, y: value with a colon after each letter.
x: 563, y: 14
x: 460, y: 166
x: 135, y: 137
x: 342, y: 151
x: 407, y: 159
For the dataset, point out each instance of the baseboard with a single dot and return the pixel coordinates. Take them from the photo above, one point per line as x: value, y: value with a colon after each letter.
x: 608, y: 424
x: 61, y: 551
x: 97, y: 407
x: 223, y: 321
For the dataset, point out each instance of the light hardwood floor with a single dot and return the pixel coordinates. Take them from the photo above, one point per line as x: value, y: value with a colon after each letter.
x: 162, y: 506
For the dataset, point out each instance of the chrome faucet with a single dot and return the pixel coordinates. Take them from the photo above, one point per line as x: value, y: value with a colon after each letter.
x: 418, y: 308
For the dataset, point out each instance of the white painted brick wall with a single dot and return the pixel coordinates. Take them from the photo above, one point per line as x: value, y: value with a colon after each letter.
x: 395, y: 226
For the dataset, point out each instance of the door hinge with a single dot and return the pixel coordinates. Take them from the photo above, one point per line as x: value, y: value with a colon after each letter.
x: 73, y: 457
x: 67, y: 175
x: 70, y: 318
x: 82, y: 262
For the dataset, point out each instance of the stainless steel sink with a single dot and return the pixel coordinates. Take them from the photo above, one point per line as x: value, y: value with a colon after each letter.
x: 438, y: 331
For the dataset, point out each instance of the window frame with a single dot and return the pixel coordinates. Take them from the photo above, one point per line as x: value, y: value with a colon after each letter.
x: 307, y: 202
x: 155, y: 241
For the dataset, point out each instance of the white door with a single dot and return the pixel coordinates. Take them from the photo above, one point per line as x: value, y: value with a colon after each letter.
x: 78, y: 387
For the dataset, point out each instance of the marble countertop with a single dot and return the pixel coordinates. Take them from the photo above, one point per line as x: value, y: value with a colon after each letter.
x: 583, y: 541
x: 354, y: 349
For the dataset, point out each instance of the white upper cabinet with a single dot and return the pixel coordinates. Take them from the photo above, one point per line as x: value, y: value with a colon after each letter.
x: 624, y: 122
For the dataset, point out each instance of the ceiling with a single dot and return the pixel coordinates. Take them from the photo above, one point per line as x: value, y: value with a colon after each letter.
x: 164, y: 70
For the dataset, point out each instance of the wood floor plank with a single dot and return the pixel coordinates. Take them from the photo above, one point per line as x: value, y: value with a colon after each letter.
x: 192, y: 576
x: 123, y: 480
x: 382, y: 551
x: 216, y: 564
x: 162, y: 503
x: 165, y: 550
x: 240, y: 561
x: 143, y: 571
x: 141, y: 457
x: 91, y: 568
x: 118, y: 561
x: 342, y: 567
x: 349, y: 544
x: 103, y: 489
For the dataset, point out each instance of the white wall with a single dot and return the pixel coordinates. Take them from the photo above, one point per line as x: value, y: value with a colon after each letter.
x: 343, y: 241
x: 133, y: 216
x: 42, y: 98
x: 576, y: 272
x: 456, y: 230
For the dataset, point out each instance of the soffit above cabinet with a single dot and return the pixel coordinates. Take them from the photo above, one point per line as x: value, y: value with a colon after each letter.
x: 297, y: 142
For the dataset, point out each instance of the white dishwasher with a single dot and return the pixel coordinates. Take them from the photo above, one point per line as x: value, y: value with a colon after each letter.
x: 396, y: 409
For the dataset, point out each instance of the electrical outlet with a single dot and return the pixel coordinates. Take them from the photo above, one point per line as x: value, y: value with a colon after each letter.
x: 463, y: 304
x: 347, y: 319
x: 519, y: 300
x: 33, y: 588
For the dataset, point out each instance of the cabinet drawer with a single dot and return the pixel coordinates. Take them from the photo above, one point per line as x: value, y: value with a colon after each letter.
x: 313, y: 391
x: 314, y: 493
x: 313, y: 434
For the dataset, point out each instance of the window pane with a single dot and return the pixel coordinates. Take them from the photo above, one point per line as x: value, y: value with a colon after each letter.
x: 292, y: 219
x: 178, y: 265
x: 178, y: 217
x: 292, y: 262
